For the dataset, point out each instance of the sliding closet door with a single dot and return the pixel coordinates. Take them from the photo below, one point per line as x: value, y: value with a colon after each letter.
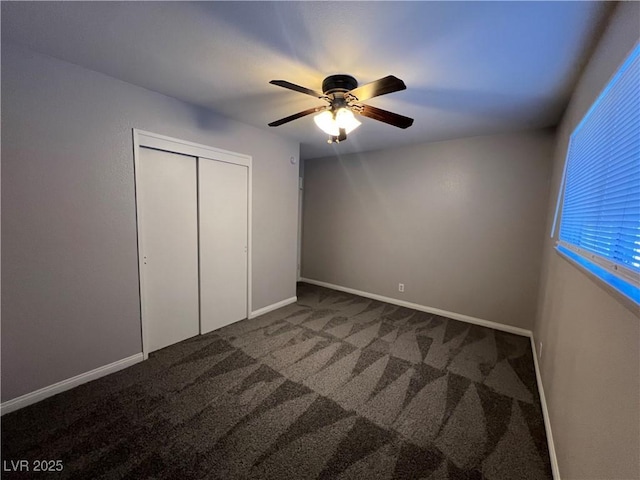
x: 167, y: 199
x: 223, y: 191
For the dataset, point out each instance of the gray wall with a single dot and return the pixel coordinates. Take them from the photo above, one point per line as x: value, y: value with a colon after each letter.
x: 460, y: 223
x: 590, y: 361
x: 69, y: 272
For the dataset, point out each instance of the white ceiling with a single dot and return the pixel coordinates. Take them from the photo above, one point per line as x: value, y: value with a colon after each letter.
x: 471, y: 68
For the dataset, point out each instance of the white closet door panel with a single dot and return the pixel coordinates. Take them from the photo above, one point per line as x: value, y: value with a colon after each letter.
x: 169, y: 238
x: 223, y: 191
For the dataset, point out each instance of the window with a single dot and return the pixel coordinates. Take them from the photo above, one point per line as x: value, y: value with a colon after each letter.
x: 600, y: 221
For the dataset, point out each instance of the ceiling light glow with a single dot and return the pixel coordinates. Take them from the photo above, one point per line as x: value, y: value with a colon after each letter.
x: 331, y: 123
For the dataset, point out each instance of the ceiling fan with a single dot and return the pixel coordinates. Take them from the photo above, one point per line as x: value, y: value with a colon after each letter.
x: 344, y: 98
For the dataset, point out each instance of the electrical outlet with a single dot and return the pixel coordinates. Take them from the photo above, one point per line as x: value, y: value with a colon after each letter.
x: 540, y: 351
x: 401, y: 287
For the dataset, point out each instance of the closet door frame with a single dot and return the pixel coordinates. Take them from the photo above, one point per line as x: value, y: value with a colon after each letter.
x: 156, y: 141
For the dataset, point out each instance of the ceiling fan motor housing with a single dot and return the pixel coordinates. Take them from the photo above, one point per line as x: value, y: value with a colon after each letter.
x: 338, y: 84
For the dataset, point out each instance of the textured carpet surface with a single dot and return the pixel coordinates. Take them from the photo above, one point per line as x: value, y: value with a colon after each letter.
x: 333, y: 387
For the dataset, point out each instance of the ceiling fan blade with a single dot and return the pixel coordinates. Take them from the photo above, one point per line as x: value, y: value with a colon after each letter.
x: 296, y: 116
x: 388, y: 84
x: 391, y: 118
x: 298, y: 88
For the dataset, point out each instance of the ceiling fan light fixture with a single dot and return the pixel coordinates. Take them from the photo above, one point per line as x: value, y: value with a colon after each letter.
x: 347, y: 120
x: 345, y: 97
x: 326, y: 123
x: 331, y: 123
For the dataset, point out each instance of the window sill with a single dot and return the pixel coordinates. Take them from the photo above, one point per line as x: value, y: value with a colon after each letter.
x: 623, y: 289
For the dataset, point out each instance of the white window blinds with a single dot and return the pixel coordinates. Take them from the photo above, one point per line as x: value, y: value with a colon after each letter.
x: 600, y: 219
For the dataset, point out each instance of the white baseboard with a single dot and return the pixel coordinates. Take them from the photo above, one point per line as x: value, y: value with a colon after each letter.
x: 41, y: 394
x: 545, y: 413
x: 423, y: 308
x: 273, y: 306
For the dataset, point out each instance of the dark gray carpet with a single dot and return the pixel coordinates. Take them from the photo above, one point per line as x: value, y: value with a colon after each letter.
x: 333, y: 387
